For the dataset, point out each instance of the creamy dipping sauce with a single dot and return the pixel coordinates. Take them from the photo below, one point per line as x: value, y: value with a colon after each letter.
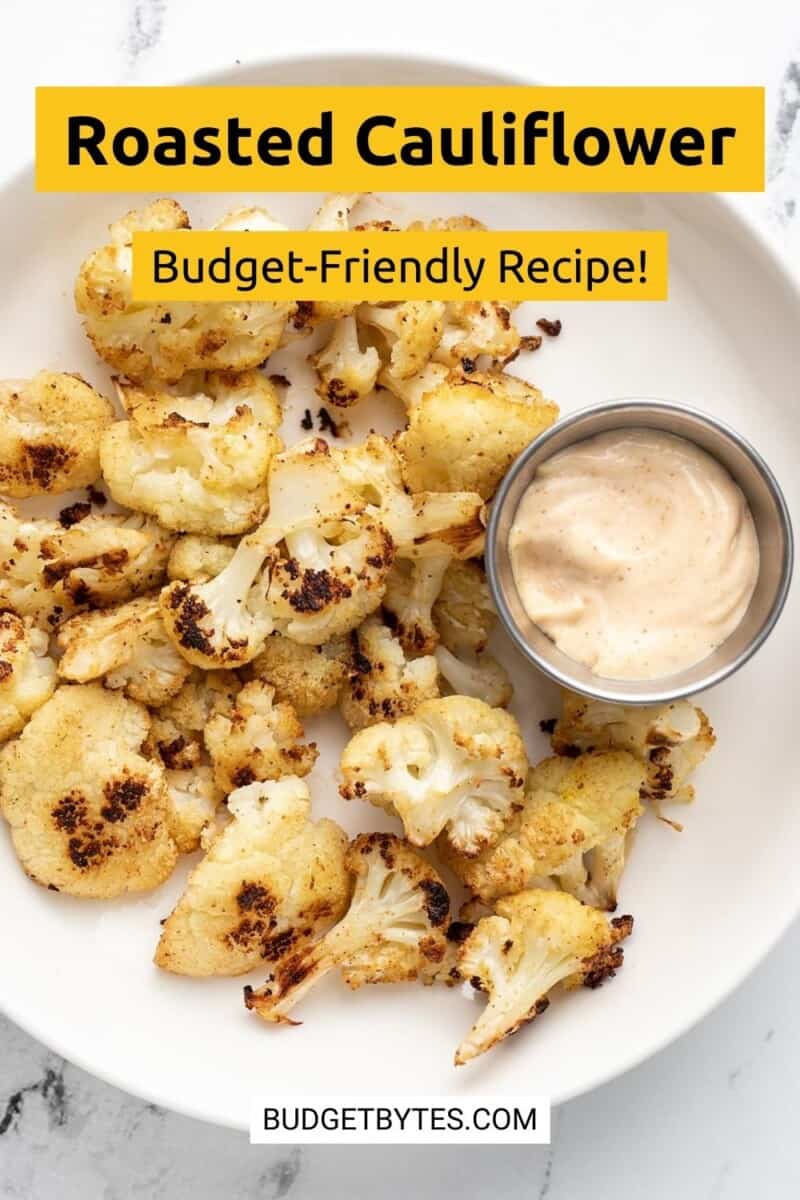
x: 635, y: 551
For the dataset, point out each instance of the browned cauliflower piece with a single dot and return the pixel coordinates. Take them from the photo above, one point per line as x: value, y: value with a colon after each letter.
x: 197, y: 557
x: 50, y: 429
x: 393, y: 932
x: 347, y: 371
x: 198, y: 463
x: 412, y: 588
x: 309, y: 678
x: 257, y: 740
x: 88, y: 813
x: 409, y: 332
x: 671, y: 740
x: 270, y: 883
x: 164, y: 341
x: 455, y: 765
x: 464, y: 613
x: 537, y: 940
x: 474, y: 330
x: 128, y: 646
x: 27, y: 674
x: 383, y: 684
x: 465, y: 434
x: 48, y: 572
x: 477, y: 675
x: 571, y: 831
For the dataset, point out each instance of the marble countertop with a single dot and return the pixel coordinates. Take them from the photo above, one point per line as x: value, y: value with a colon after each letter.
x: 711, y: 1117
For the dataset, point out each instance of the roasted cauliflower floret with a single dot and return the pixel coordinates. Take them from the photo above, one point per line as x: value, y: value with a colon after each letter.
x: 257, y: 740
x: 456, y: 766
x: 194, y: 799
x: 536, y: 940
x: 411, y: 592
x: 27, y: 674
x: 271, y: 881
x: 309, y: 678
x: 571, y: 830
x: 465, y: 434
x: 671, y: 741
x: 394, y: 929
x: 88, y: 813
x: 198, y: 463
x: 224, y: 621
x: 410, y: 332
x: 464, y: 613
x: 411, y: 390
x: 478, y: 675
x: 197, y: 557
x: 50, y: 429
x: 129, y: 646
x: 332, y: 216
x: 423, y: 525
x: 48, y: 572
x: 347, y: 372
x: 475, y: 329
x: 164, y: 341
x: 383, y: 684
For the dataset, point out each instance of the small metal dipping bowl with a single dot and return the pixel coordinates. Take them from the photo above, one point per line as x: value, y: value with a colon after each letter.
x: 770, y: 515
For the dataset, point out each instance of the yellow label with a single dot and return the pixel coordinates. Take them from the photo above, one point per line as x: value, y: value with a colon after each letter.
x: 448, y: 265
x: 228, y: 139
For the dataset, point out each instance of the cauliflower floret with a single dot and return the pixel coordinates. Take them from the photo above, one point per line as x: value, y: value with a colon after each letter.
x: 411, y: 591
x: 193, y: 802
x: 394, y: 930
x: 410, y: 332
x: 331, y: 568
x: 165, y: 341
x: 198, y: 557
x: 271, y: 881
x: 198, y: 463
x: 50, y: 429
x: 48, y: 572
x: 421, y: 525
x: 478, y: 675
x: 224, y: 621
x: 129, y: 646
x: 88, y: 813
x: 332, y: 216
x: 346, y: 372
x: 309, y: 678
x: 257, y: 740
x: 27, y: 674
x: 456, y: 765
x: 383, y: 684
x: 411, y: 390
x: 671, y: 741
x: 464, y: 613
x: 465, y: 434
x: 572, y: 829
x: 474, y: 329
x: 536, y: 940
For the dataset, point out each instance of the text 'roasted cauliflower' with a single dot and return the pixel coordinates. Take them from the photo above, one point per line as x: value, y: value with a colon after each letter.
x: 536, y: 940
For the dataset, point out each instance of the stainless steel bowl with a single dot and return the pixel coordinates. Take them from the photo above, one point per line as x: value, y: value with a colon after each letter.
x: 770, y: 515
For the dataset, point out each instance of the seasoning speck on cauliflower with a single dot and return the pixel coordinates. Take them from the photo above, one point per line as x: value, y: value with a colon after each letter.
x: 27, y: 674
x: 271, y: 882
x: 465, y: 434
x: 88, y: 813
x: 198, y: 463
x: 393, y: 931
x: 671, y: 740
x: 537, y: 940
x: 456, y: 765
x: 50, y: 428
x: 165, y: 341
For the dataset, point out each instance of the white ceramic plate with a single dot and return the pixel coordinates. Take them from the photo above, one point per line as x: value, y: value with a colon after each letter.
x: 708, y: 903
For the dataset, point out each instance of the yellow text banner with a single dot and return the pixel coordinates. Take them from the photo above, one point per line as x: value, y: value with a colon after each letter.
x: 572, y: 139
x: 389, y: 266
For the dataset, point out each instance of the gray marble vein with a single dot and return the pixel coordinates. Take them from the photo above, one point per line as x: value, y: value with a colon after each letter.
x: 145, y: 27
